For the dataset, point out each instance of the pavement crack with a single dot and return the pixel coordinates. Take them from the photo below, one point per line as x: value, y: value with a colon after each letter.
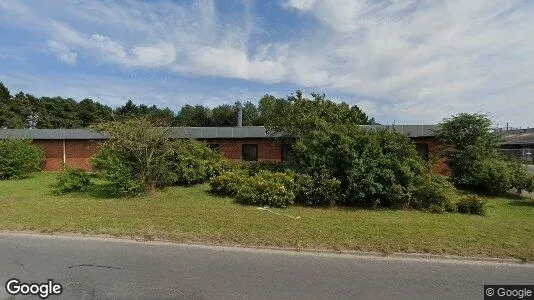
x: 93, y: 265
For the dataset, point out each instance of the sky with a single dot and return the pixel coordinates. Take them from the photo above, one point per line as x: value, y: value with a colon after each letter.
x: 401, y: 61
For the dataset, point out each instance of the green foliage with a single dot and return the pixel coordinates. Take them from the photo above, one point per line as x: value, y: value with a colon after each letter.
x: 268, y: 188
x: 375, y: 168
x: 229, y: 183
x: 19, y: 158
x: 434, y: 193
x: 4, y: 92
x: 471, y: 204
x: 317, y: 190
x: 57, y: 112
x: 223, y: 115
x: 254, y: 167
x: 192, y: 162
x: 141, y: 148
x: 91, y: 112
x: 197, y: 115
x: 467, y: 141
x: 162, y: 117
x: 521, y: 179
x: 118, y: 175
x: 297, y: 115
x: 71, y: 180
x: 494, y: 176
x: 139, y: 153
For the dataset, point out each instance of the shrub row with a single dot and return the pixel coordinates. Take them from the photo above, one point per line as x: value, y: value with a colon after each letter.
x: 431, y: 193
x: 268, y: 188
x: 277, y: 189
x: 19, y: 158
x: 71, y: 180
x: 496, y: 176
x: 186, y: 162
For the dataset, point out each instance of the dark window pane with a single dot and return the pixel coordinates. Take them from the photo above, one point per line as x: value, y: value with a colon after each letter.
x: 214, y: 147
x: 286, y: 152
x: 422, y: 148
x: 250, y: 152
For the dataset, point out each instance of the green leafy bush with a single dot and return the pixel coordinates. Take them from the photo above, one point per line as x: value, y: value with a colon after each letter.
x: 254, y: 167
x: 471, y: 204
x: 521, y: 179
x: 19, y: 158
x: 374, y: 167
x: 496, y: 176
x: 192, y: 162
x: 434, y: 193
x: 467, y: 141
x: 71, y: 180
x: 229, y: 183
x: 268, y: 188
x: 117, y: 175
x: 317, y: 190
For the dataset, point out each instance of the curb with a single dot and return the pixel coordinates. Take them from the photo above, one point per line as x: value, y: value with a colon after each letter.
x: 273, y: 249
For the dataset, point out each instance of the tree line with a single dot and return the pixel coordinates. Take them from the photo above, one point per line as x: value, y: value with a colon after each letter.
x: 24, y: 110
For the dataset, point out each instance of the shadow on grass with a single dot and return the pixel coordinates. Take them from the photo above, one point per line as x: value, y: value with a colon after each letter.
x: 523, y: 202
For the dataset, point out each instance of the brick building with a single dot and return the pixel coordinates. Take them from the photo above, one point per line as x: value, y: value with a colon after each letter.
x: 74, y: 147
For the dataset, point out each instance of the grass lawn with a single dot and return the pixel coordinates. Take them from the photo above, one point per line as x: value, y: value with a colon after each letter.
x: 192, y: 215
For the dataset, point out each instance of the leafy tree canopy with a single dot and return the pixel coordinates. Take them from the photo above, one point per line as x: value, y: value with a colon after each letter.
x: 293, y: 114
x: 297, y: 115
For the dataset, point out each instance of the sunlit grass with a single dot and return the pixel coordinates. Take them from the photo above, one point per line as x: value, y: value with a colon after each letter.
x: 193, y: 215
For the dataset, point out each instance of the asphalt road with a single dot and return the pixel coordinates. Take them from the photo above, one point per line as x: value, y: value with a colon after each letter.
x: 95, y: 268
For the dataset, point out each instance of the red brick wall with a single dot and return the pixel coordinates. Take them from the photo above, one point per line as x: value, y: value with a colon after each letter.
x: 231, y: 148
x: 440, y: 164
x: 53, y: 153
x: 78, y: 152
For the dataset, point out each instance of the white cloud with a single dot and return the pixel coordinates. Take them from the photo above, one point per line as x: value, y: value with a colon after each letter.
x: 419, y: 61
x: 63, y: 52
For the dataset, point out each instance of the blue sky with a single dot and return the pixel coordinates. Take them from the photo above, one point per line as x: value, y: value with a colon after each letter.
x: 409, y: 61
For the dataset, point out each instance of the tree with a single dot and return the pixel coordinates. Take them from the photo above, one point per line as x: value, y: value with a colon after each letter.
x: 19, y: 158
x: 467, y: 141
x: 138, y: 148
x: 127, y: 110
x: 196, y: 116
x: 375, y: 168
x: 297, y: 115
x: 223, y: 115
x: 92, y: 113
x: 164, y: 117
x: 58, y: 112
x: 17, y: 110
x: 251, y: 115
x: 4, y: 92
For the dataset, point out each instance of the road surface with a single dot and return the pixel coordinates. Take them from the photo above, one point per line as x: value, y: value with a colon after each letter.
x: 97, y: 268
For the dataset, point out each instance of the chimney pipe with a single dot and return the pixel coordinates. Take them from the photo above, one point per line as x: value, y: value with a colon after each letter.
x: 239, y: 109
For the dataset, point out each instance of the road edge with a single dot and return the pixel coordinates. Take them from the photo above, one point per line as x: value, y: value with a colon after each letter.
x: 274, y: 249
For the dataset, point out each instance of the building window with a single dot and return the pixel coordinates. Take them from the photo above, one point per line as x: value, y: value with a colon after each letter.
x: 250, y: 152
x: 286, y: 152
x: 422, y: 148
x: 214, y: 147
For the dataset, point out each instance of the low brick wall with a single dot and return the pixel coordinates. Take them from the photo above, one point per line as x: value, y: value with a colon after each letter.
x: 78, y: 152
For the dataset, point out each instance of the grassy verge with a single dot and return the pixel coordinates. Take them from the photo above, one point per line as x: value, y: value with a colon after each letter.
x: 192, y: 215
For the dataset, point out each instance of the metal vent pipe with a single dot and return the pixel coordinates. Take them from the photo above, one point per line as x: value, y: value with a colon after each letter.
x: 239, y: 109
